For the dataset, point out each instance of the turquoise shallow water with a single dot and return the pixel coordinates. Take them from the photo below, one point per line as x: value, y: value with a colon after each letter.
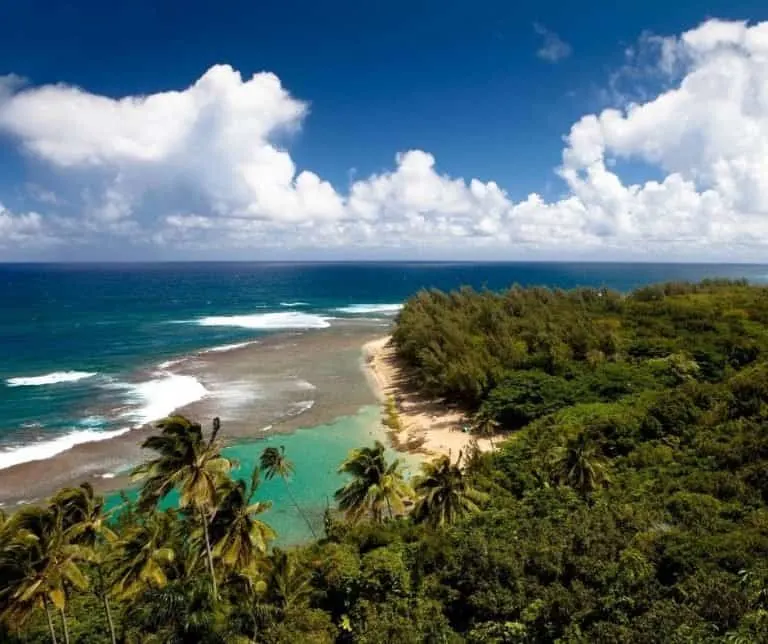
x: 89, y: 352
x: 316, y: 453
x: 85, y: 348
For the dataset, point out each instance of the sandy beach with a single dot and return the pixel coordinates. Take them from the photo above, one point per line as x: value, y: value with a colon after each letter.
x: 430, y: 427
x: 276, y: 385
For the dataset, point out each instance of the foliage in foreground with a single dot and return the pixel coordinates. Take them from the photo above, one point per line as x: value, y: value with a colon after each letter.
x: 629, y: 505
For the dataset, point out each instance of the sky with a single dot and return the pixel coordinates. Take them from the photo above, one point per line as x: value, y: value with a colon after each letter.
x: 384, y: 130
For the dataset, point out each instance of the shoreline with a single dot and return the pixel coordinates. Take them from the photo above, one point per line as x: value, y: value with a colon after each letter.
x: 429, y: 427
x: 316, y: 452
x: 283, y: 382
x: 341, y: 356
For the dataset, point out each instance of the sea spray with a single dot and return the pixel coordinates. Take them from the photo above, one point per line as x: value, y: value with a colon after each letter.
x: 53, y: 378
x: 162, y: 395
x: 49, y: 448
x: 268, y: 321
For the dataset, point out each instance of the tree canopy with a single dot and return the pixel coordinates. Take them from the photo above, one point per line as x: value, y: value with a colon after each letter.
x: 628, y: 502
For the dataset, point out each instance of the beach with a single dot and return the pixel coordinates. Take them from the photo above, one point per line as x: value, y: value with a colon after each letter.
x: 282, y: 383
x: 277, y: 385
x: 271, y: 387
x: 429, y: 427
x: 92, y: 356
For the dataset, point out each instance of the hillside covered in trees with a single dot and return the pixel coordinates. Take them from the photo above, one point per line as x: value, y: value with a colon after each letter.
x: 629, y: 502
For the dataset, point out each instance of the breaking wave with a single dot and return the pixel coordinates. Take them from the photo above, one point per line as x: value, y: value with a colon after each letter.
x: 288, y: 320
x: 53, y: 378
x: 356, y: 309
x: 46, y: 449
x: 228, y: 347
x: 160, y: 396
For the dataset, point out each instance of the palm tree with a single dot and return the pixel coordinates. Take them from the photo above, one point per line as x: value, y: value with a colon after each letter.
x: 191, y: 464
x: 15, y: 550
x: 289, y: 583
x: 445, y: 494
x: 182, y: 611
x: 580, y: 465
x: 141, y: 558
x: 46, y: 566
x: 274, y: 463
x: 485, y: 426
x: 85, y: 524
x: 375, y: 485
x: 236, y: 534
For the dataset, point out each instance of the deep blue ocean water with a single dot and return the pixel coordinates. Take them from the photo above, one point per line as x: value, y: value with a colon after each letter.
x: 61, y: 323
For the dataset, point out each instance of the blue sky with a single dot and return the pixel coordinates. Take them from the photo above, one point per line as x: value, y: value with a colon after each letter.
x: 471, y: 85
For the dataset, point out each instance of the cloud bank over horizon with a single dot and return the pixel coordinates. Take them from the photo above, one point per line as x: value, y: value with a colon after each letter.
x: 207, y: 169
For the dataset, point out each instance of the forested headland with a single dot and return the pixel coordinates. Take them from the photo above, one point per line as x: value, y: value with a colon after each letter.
x: 627, y: 503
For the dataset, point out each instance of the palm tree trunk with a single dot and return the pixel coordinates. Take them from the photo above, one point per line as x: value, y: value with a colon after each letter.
x: 208, y: 552
x: 389, y: 507
x: 298, y: 507
x: 109, y: 619
x: 105, y: 601
x: 50, y: 621
x: 64, y: 624
x: 255, y: 626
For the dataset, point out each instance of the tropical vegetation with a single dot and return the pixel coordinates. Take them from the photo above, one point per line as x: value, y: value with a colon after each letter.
x: 626, y: 499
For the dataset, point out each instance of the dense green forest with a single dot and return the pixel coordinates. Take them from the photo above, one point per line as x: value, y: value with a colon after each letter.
x: 628, y: 502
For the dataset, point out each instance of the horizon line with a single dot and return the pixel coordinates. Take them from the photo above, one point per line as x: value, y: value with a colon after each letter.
x: 144, y: 262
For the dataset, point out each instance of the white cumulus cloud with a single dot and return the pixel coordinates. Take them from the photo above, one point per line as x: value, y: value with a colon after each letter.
x: 206, y: 167
x: 27, y: 229
x: 214, y: 138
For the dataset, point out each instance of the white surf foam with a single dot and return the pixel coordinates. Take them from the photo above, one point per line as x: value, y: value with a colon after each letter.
x: 49, y: 448
x: 229, y: 347
x: 304, y: 385
x: 93, y: 421
x: 235, y: 393
x: 161, y: 396
x: 167, y: 364
x: 50, y: 378
x: 292, y: 304
x: 300, y: 407
x: 370, y: 308
x: 289, y: 320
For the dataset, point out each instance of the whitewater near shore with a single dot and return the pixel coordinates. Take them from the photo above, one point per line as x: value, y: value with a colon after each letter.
x: 92, y: 354
x: 246, y: 385
x: 278, y: 384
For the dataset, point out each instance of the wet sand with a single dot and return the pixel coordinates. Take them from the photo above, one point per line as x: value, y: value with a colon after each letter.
x: 279, y: 384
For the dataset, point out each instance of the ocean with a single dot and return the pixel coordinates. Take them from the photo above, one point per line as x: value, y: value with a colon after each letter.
x: 91, y: 353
